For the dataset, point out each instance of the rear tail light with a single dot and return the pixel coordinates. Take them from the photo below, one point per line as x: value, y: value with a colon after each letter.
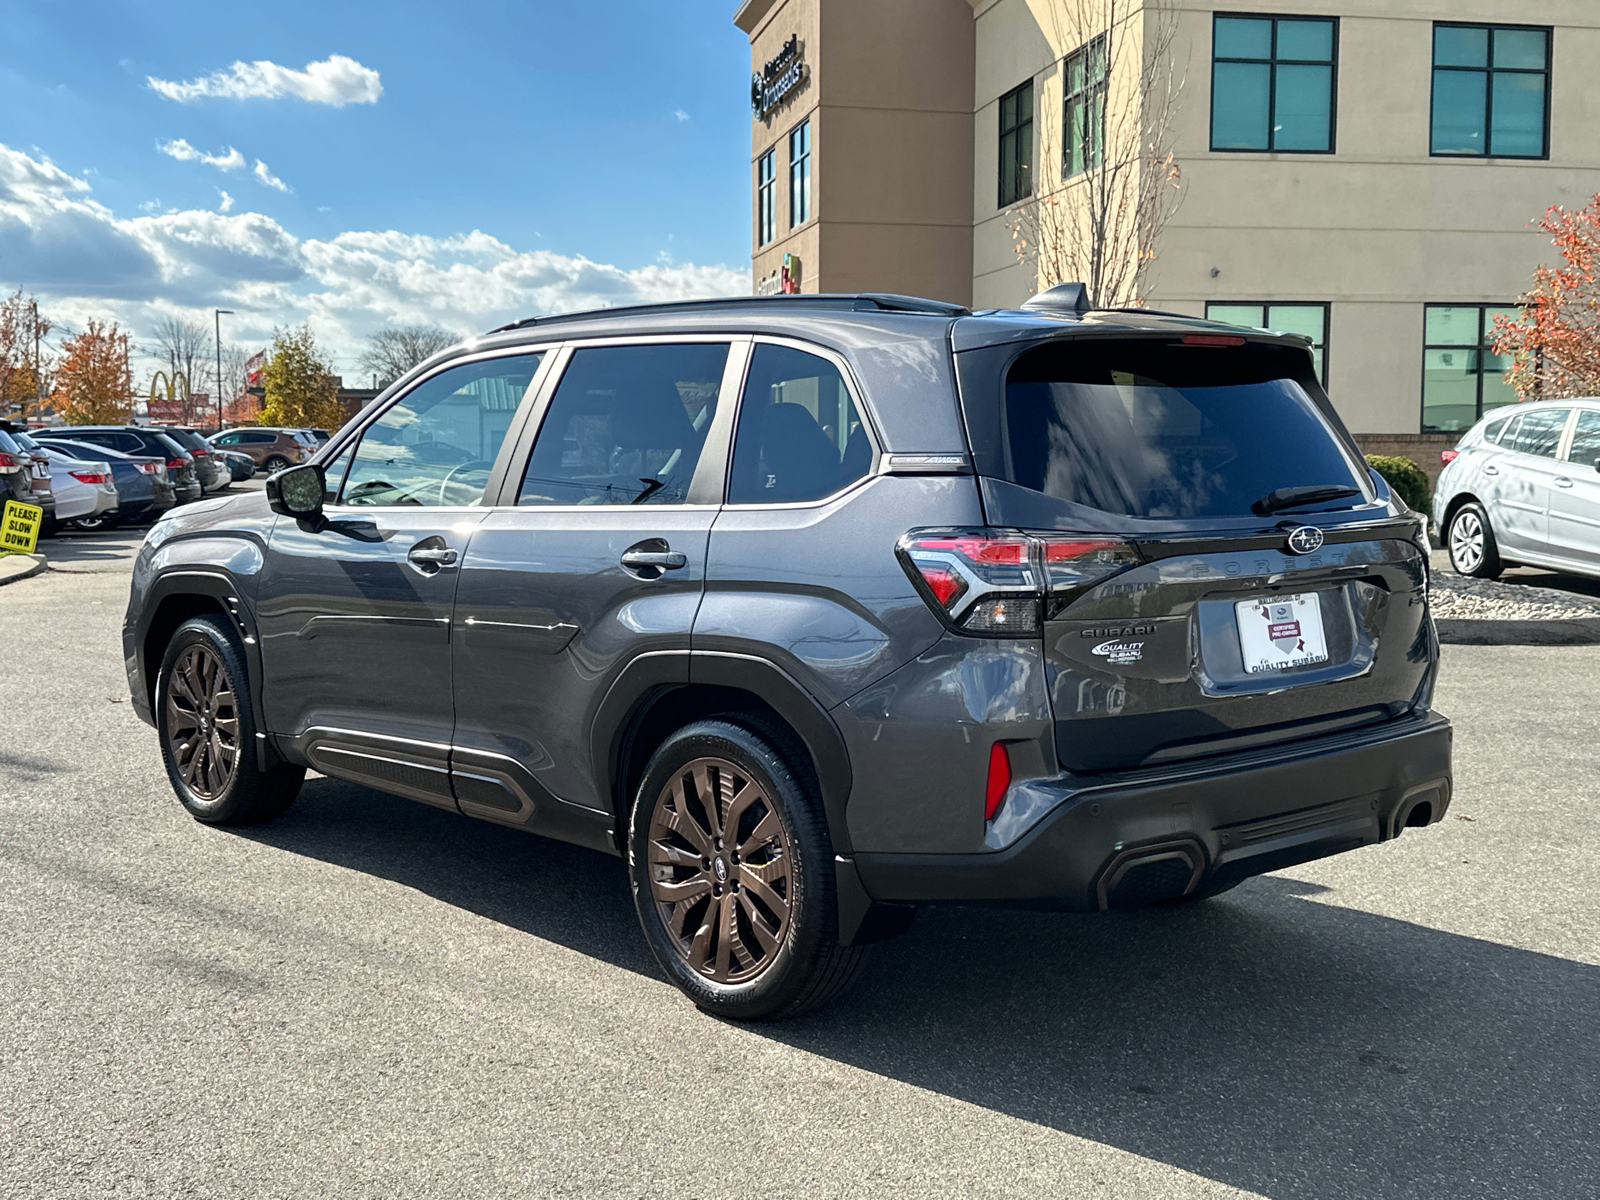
x: 1006, y: 583
x: 90, y: 476
x: 994, y: 792
x: 8, y: 460
x: 175, y: 464
x: 1448, y: 456
x: 151, y: 468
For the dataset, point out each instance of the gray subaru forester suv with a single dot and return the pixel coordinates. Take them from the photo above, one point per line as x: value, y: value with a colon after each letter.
x: 816, y: 609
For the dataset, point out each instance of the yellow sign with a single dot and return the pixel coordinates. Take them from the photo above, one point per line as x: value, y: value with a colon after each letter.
x: 19, y: 528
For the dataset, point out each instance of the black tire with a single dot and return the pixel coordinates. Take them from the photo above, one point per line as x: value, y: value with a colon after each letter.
x: 276, y: 463
x: 238, y: 792
x: 1469, y: 539
x: 806, y: 966
x: 95, y: 524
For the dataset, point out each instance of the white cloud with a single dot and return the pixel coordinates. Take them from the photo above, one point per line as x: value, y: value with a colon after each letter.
x: 86, y: 261
x: 680, y: 114
x: 336, y: 80
x: 268, y: 178
x: 226, y: 203
x: 183, y: 152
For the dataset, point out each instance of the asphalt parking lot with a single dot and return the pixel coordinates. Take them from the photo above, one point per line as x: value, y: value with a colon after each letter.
x: 372, y: 998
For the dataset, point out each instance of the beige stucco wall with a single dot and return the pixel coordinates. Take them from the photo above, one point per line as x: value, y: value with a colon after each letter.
x: 889, y: 98
x: 1377, y: 228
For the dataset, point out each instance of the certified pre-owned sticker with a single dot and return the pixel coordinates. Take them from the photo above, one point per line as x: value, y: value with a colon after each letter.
x: 1120, y: 652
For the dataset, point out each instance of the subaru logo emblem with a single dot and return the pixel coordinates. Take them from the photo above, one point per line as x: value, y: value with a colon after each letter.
x: 1307, y: 539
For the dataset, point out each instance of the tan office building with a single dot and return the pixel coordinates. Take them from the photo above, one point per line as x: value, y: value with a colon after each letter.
x: 1364, y: 172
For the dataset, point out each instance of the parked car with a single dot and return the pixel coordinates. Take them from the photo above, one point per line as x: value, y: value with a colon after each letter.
x: 1523, y: 487
x: 143, y: 490
x: 213, y: 474
x: 757, y: 596
x: 17, y: 482
x: 271, y: 449
x: 240, y: 465
x: 143, y: 441
x: 85, y: 490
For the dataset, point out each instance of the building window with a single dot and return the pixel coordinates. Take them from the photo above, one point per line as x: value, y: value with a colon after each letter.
x: 800, y: 174
x: 1084, y: 114
x: 1016, y: 144
x: 766, y: 197
x: 1462, y: 376
x: 1491, y: 91
x: 1308, y: 319
x: 1272, y: 83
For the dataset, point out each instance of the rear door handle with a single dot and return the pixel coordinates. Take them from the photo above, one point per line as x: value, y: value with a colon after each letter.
x: 1491, y: 470
x: 1563, y: 482
x: 434, y: 556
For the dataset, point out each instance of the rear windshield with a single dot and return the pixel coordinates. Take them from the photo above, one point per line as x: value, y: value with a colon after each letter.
x: 1162, y: 431
x: 189, y: 441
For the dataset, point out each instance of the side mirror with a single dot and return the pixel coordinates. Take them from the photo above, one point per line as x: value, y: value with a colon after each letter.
x: 297, y: 492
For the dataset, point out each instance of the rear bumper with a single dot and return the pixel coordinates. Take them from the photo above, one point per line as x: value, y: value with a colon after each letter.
x: 1156, y: 835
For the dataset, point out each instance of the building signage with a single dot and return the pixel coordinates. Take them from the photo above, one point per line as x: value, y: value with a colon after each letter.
x: 784, y: 282
x: 781, y: 75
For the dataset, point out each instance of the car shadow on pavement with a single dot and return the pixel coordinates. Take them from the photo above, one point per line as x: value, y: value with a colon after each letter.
x: 1266, y: 1039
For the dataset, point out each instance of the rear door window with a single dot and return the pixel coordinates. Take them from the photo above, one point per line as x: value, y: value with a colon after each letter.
x: 800, y: 436
x: 1538, y: 433
x: 1156, y: 430
x: 625, y: 426
x: 1586, y: 439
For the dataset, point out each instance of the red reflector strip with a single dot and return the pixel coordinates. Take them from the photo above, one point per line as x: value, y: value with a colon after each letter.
x: 1212, y: 339
x: 1448, y: 456
x: 1062, y: 551
x: 999, y: 780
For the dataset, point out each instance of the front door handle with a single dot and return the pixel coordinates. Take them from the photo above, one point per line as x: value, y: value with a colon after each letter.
x: 650, y: 558
x: 1563, y: 482
x: 431, y: 555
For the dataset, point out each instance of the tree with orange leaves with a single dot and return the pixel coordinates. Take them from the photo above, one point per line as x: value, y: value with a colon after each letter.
x: 94, y: 382
x: 22, y: 326
x: 1556, y: 344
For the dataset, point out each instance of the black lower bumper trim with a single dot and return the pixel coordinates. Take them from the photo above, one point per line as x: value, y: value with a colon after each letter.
x: 1104, y: 847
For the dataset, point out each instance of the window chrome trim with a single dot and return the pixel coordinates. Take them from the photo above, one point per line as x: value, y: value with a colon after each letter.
x: 874, y: 466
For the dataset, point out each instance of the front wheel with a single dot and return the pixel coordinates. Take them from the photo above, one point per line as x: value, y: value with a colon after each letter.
x: 732, y: 874
x: 208, y: 731
x: 1471, y: 544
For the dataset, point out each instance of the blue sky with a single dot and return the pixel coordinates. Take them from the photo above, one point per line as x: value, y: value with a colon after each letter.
x: 599, y: 151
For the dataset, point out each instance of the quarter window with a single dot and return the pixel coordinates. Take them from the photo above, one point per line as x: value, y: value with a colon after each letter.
x: 435, y: 446
x: 766, y: 197
x: 1311, y: 320
x: 1272, y: 83
x: 1016, y: 144
x: 800, y: 174
x: 1084, y: 115
x: 625, y: 426
x: 1462, y: 376
x: 799, y: 436
x: 1491, y: 88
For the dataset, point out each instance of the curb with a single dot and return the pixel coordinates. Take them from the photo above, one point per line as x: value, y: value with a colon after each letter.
x: 20, y: 566
x: 1461, y: 631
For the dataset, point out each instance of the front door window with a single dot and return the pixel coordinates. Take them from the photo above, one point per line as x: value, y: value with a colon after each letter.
x: 435, y: 446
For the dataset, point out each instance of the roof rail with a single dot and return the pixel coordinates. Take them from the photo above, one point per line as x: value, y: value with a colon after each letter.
x: 828, y: 302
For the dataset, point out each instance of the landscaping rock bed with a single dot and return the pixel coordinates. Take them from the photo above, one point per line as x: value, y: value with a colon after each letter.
x: 1485, y: 612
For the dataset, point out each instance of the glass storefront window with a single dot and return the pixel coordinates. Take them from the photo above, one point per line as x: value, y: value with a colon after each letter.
x: 1462, y: 377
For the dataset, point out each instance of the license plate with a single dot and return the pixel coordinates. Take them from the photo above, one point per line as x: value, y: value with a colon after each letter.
x: 1280, y: 632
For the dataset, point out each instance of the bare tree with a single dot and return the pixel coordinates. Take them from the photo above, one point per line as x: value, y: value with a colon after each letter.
x: 184, y: 347
x: 390, y: 353
x: 1107, y: 182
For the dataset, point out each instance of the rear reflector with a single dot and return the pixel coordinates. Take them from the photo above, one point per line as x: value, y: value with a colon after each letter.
x: 1001, y: 582
x: 994, y: 793
x: 1448, y: 456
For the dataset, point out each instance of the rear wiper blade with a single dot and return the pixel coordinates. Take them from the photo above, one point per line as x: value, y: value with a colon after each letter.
x: 1295, y: 497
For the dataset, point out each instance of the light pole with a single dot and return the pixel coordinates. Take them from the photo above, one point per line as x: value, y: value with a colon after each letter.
x: 38, y: 374
x: 219, y: 313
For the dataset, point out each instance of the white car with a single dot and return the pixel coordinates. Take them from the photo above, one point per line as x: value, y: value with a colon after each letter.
x: 1523, y: 487
x: 82, y: 488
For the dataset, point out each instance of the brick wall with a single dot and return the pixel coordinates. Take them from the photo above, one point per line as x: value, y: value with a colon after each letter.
x: 1421, y: 448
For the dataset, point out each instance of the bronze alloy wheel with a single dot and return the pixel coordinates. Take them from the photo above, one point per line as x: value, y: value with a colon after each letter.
x: 202, y: 723
x: 720, y: 870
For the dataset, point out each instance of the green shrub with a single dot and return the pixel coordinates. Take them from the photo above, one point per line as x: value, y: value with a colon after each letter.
x: 1408, y: 480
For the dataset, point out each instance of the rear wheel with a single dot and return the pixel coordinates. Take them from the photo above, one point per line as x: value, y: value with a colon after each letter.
x: 208, y: 731
x: 95, y: 524
x: 732, y: 874
x: 1471, y: 543
x: 276, y: 463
